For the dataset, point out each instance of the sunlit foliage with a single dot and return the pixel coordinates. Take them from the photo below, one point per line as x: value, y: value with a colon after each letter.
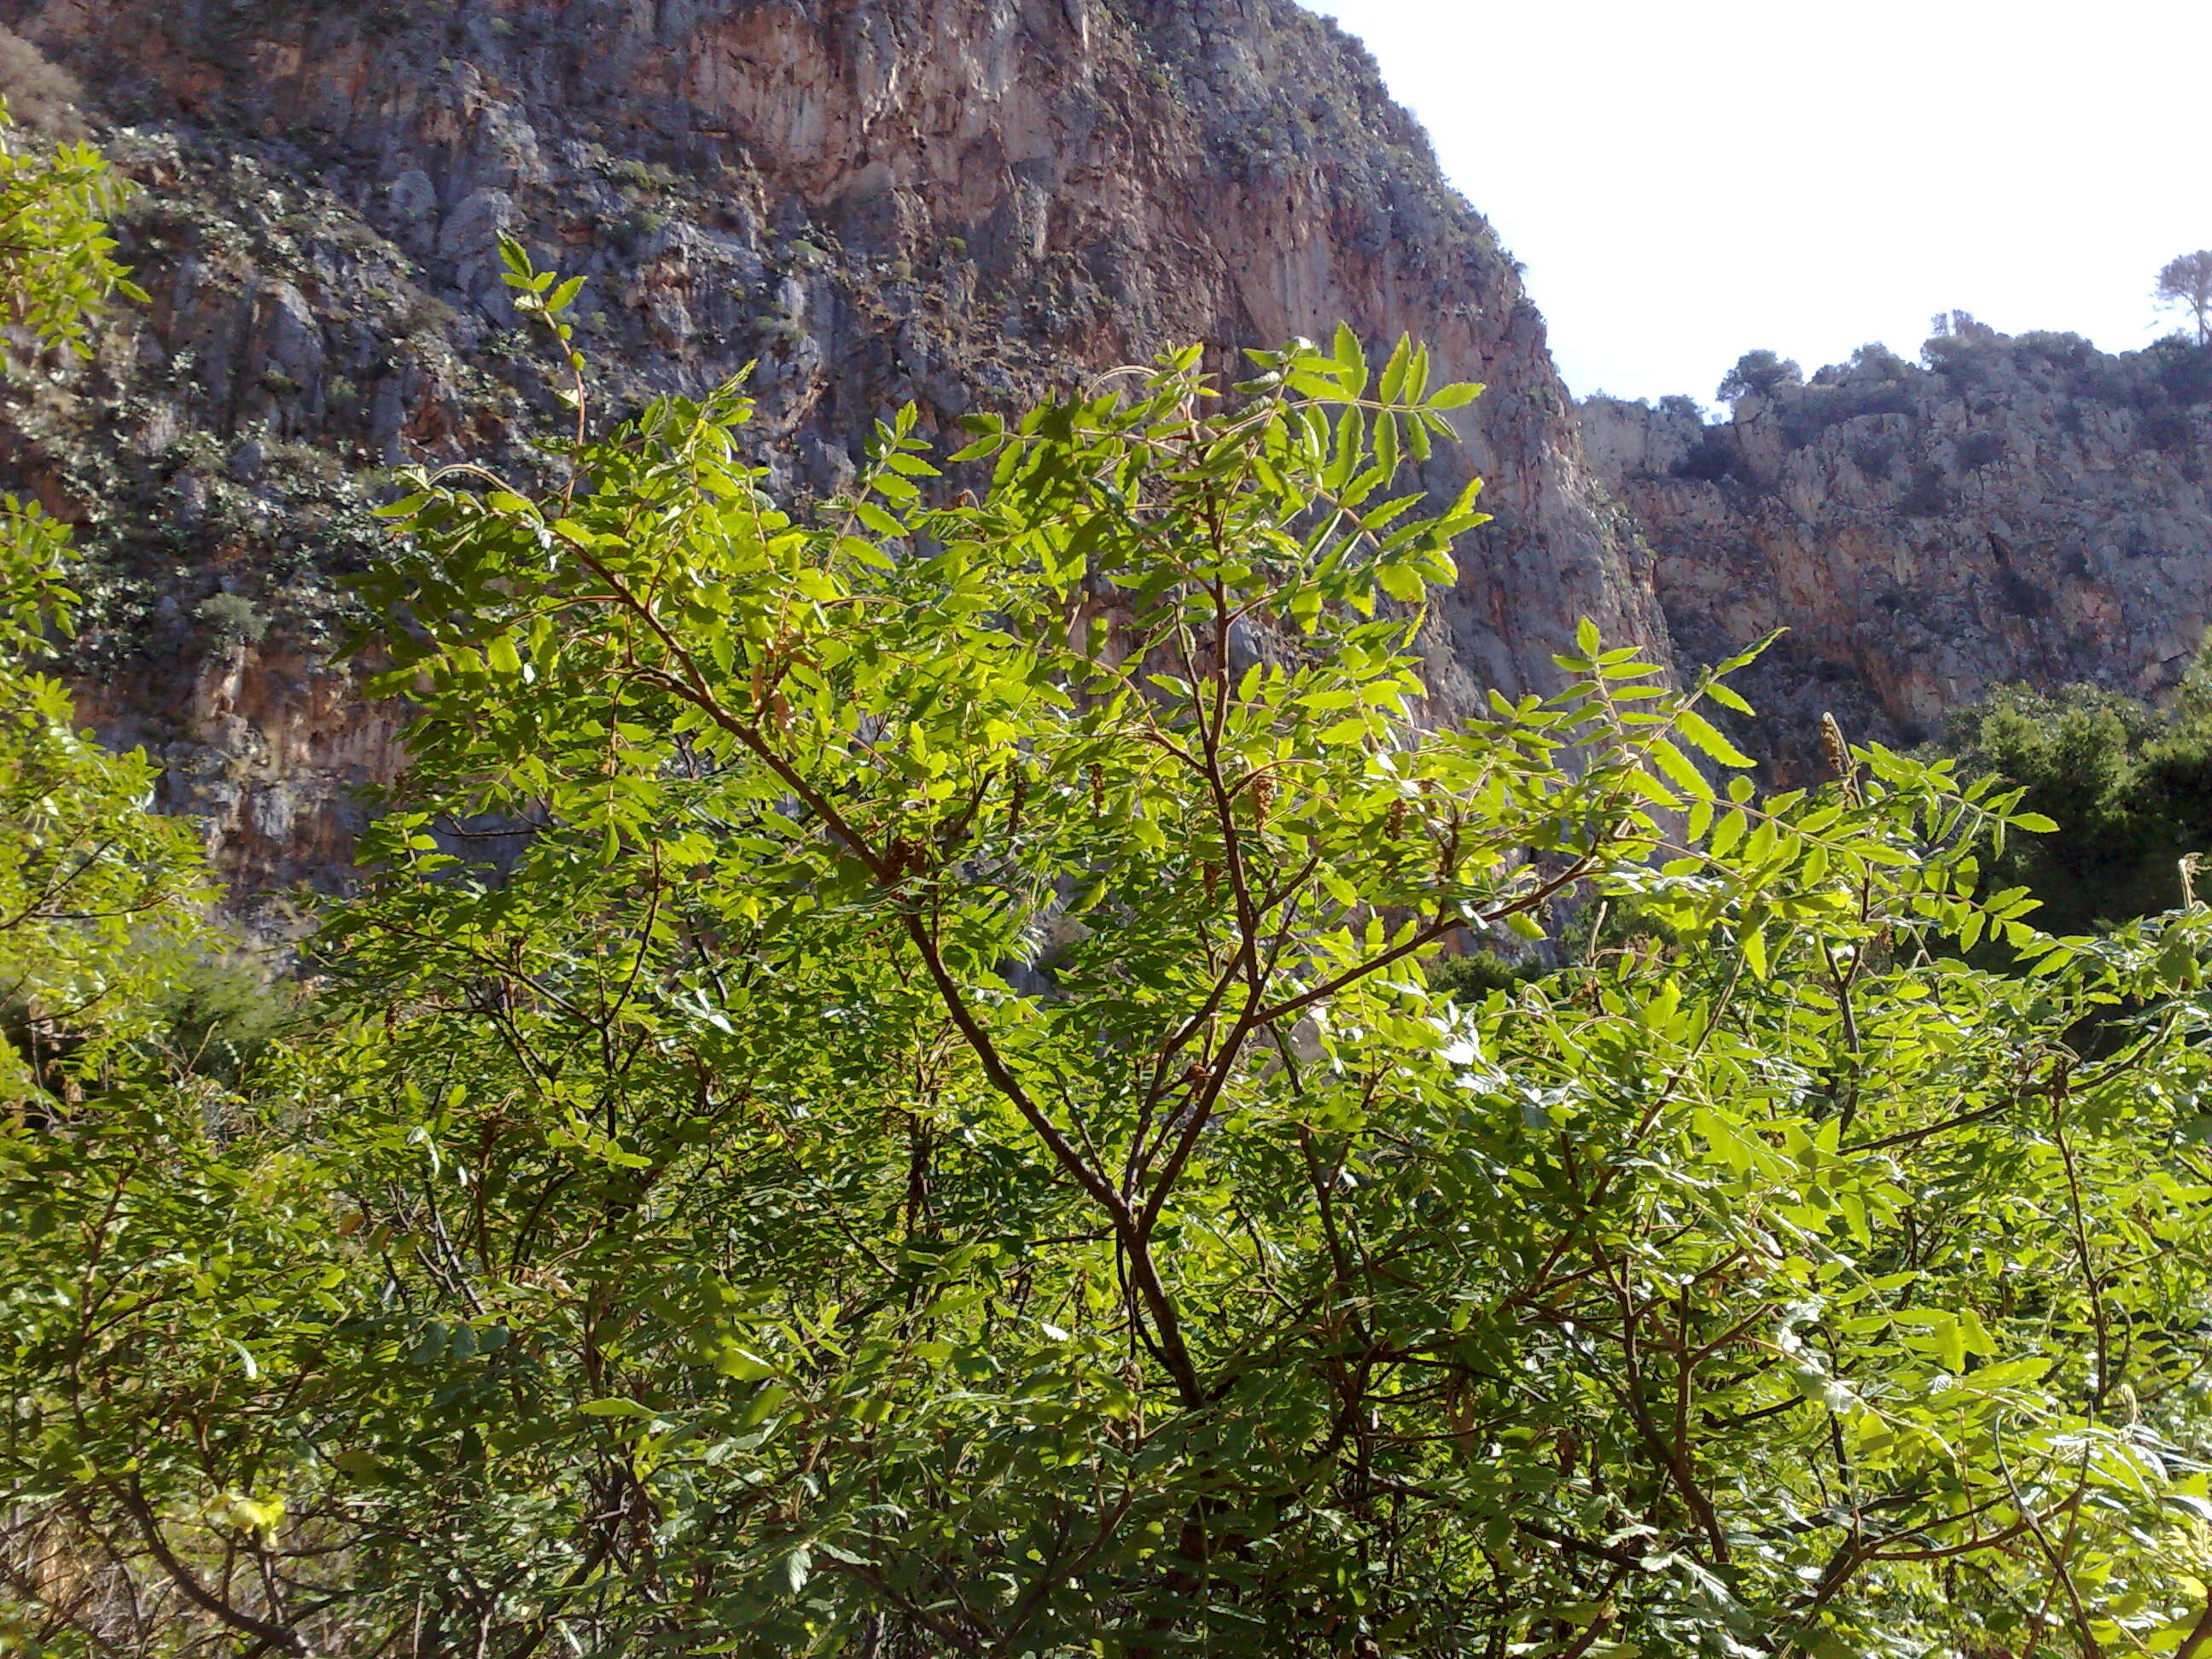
x: 886, y: 1102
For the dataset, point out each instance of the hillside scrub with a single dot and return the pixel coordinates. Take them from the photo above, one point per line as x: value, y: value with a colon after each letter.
x: 2129, y: 786
x: 882, y: 1098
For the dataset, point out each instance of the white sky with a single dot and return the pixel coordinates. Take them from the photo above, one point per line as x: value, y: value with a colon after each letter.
x: 1687, y: 180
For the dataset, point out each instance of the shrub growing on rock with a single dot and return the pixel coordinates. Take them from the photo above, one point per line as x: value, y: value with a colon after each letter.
x: 1758, y: 372
x: 2129, y: 784
x: 232, y: 619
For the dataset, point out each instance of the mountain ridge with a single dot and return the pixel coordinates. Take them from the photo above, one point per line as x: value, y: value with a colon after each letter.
x: 2010, y: 509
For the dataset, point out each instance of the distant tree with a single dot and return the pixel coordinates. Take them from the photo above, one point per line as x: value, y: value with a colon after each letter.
x: 1759, y: 372
x: 1877, y: 361
x: 2187, y: 280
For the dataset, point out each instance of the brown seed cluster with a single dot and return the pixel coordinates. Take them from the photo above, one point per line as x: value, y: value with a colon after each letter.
x: 905, y: 860
x: 768, y: 675
x: 1833, y: 746
x: 1263, y: 799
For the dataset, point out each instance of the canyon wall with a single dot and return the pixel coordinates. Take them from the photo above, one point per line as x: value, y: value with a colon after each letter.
x: 2013, y: 509
x: 960, y: 203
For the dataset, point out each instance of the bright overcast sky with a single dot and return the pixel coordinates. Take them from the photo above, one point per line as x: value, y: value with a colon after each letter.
x: 1685, y: 180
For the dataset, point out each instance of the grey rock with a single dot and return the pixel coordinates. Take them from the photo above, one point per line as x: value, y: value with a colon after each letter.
x: 2025, y: 510
x: 412, y: 197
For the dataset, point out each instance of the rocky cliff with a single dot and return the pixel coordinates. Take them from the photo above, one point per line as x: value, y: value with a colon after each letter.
x: 958, y: 203
x: 2011, y: 509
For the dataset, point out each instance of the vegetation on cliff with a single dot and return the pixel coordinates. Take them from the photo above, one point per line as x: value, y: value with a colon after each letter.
x: 2011, y: 508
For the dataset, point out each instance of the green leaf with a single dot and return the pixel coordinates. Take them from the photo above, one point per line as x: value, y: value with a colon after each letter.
x: 878, y: 521
x: 614, y: 1406
x: 865, y: 553
x: 1395, y: 371
x: 1702, y: 733
x: 1401, y: 583
x: 740, y: 1365
x: 1677, y: 767
x: 1754, y: 944
x: 1351, y: 362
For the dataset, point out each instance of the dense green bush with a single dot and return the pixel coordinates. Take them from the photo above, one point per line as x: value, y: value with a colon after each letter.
x: 2181, y: 369
x: 1468, y: 979
x: 940, y: 1143
x: 1711, y: 459
x: 2129, y: 786
x: 1978, y: 450
x: 232, y: 619
x: 1810, y: 410
x: 1976, y: 355
x: 1877, y: 363
x: 223, y: 1012
x: 1929, y: 495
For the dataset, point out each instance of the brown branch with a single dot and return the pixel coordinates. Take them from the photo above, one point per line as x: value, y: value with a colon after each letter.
x: 2058, y: 1103
x: 1533, y: 900
x: 2199, y: 1634
x: 149, y: 1528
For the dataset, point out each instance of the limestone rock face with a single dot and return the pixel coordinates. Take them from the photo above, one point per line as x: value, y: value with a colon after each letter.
x: 957, y: 202
x: 2018, y: 509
